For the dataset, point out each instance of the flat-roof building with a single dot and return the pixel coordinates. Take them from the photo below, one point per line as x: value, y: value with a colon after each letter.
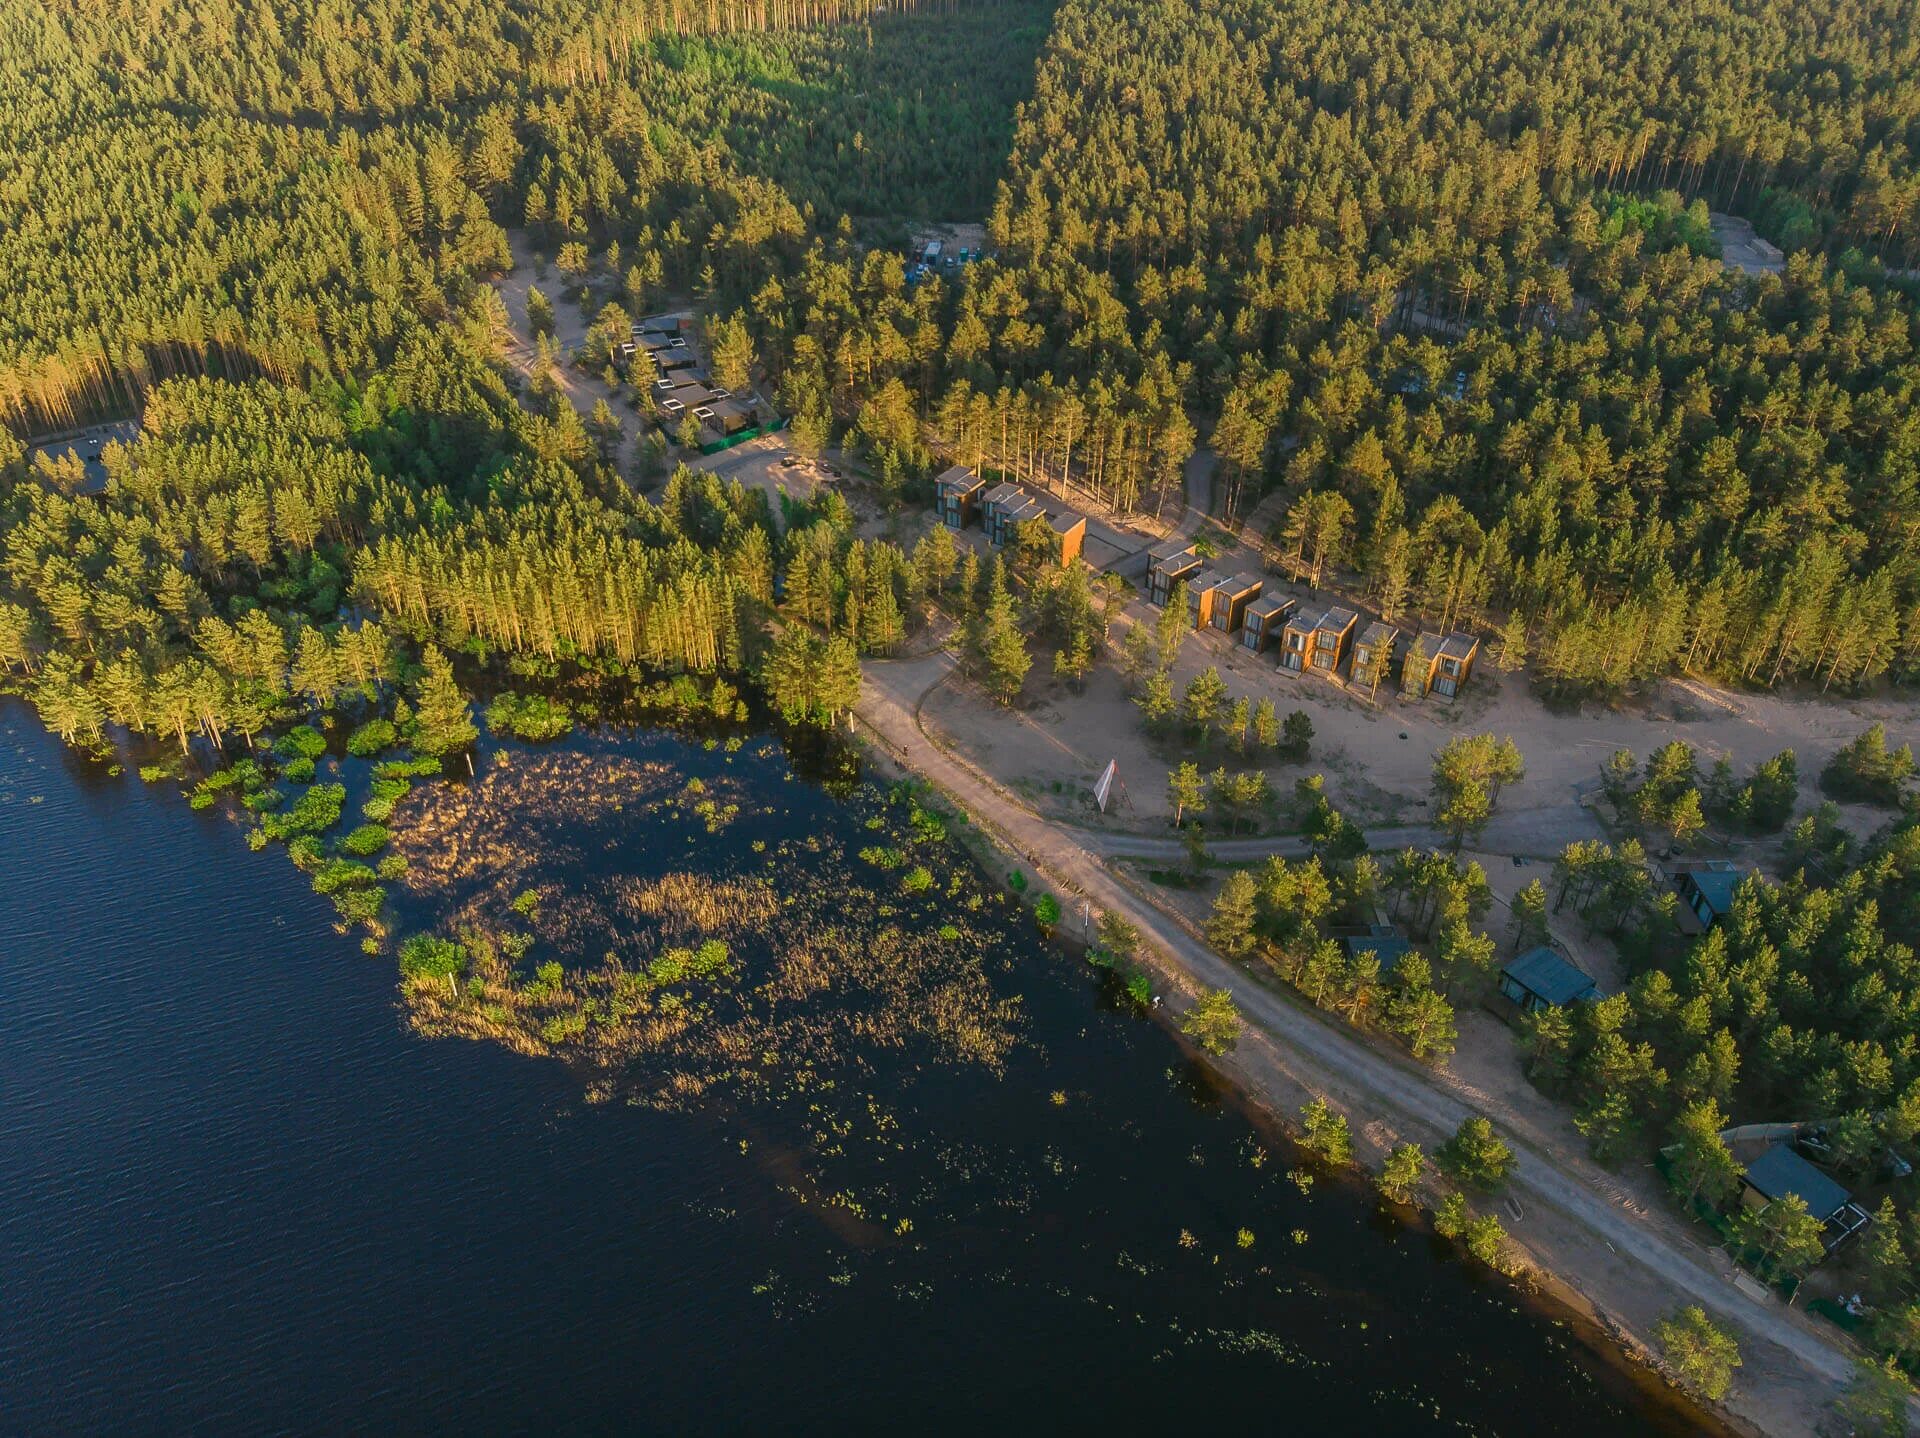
x: 1230, y: 600
x: 1167, y: 565
x: 1200, y: 595
x: 1331, y: 638
x: 1373, y: 655
x: 957, y: 494
x: 1297, y: 639
x: 1264, y: 619
x: 1780, y: 1173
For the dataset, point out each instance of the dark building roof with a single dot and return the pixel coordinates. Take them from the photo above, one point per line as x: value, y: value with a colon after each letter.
x: 1239, y: 583
x: 1339, y: 621
x: 1306, y: 619
x: 1169, y: 549
x: 1065, y: 521
x: 1780, y: 1171
x: 1716, y: 886
x: 1267, y: 606
x: 1002, y: 494
x: 1458, y: 646
x: 1377, y: 633
x: 959, y: 480
x: 1389, y: 948
x: 1543, y: 972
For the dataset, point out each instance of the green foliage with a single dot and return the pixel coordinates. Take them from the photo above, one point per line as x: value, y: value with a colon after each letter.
x: 1866, y: 771
x: 426, y: 956
x: 917, y: 880
x: 1475, y: 1157
x: 1212, y: 1021
x: 365, y: 841
x: 1046, y: 911
x: 301, y: 742
x: 372, y: 738
x: 529, y: 716
x: 442, y: 718
x: 1700, y: 1353
x: 312, y: 813
x: 1401, y: 1173
x: 1325, y: 1134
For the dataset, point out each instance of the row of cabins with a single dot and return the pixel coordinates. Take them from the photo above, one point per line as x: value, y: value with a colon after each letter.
x: 961, y: 497
x: 680, y: 386
x: 1318, y: 640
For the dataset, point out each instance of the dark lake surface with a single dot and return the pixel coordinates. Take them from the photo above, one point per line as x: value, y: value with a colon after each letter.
x: 239, y: 1195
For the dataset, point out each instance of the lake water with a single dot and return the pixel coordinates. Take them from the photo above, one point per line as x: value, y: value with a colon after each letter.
x: 239, y: 1194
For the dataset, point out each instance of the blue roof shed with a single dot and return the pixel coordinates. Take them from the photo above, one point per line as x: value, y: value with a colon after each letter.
x: 1540, y: 978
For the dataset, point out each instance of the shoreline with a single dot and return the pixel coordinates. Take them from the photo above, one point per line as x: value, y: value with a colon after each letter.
x: 1617, y: 1296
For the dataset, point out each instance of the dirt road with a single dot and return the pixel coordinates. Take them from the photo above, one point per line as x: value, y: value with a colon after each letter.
x: 1791, y: 1369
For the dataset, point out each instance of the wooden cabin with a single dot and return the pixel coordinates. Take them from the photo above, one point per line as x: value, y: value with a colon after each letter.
x: 1265, y: 618
x: 1455, y: 664
x: 1200, y: 591
x: 1423, y: 659
x: 1779, y: 1173
x: 1373, y: 655
x: 1706, y: 888
x: 1297, y: 639
x: 957, y: 495
x: 1167, y: 565
x: 1230, y: 601
x: 1069, y: 535
x: 1332, y: 638
x: 1541, y: 979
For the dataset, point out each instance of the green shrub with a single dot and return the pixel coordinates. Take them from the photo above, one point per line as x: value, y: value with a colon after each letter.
x: 366, y: 840
x: 529, y: 716
x: 393, y: 866
x: 299, y: 771
x: 338, y: 874
x: 360, y: 903
x: 423, y: 768
x: 303, y: 742
x: 316, y: 810
x: 372, y: 737
x: 918, y: 880
x: 1046, y: 911
x: 427, y: 956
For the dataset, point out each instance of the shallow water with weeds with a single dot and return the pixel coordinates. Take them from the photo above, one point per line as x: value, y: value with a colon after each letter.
x: 739, y: 1124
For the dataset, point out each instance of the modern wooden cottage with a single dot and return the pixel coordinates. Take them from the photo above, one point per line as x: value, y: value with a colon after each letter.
x: 1706, y: 888
x: 1541, y: 979
x: 1297, y: 639
x: 1264, y: 620
x: 1167, y: 565
x: 1007, y: 507
x: 1201, y: 589
x: 1230, y: 600
x: 1373, y: 655
x: 957, y: 494
x: 1455, y: 665
x: 1416, y: 673
x: 1069, y: 535
x: 1333, y: 638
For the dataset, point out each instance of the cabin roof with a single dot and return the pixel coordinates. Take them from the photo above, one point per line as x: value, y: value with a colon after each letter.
x: 1541, y: 971
x: 1716, y: 886
x: 1267, y: 606
x: 1339, y: 620
x: 1241, y: 583
x: 1378, y: 633
x: 1307, y: 619
x: 1003, y: 493
x: 1458, y: 646
x: 958, y: 480
x: 1065, y: 521
x: 1389, y: 948
x: 1170, y: 549
x: 1780, y: 1171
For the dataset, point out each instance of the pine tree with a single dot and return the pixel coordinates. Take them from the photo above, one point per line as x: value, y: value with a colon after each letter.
x: 442, y: 718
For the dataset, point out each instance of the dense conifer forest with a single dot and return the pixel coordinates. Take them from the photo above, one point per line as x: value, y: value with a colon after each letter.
x: 1443, y: 278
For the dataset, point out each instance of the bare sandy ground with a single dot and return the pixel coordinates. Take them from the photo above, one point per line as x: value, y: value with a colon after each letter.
x: 1378, y: 758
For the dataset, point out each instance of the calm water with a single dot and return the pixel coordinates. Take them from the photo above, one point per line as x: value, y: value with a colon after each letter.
x: 238, y: 1195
